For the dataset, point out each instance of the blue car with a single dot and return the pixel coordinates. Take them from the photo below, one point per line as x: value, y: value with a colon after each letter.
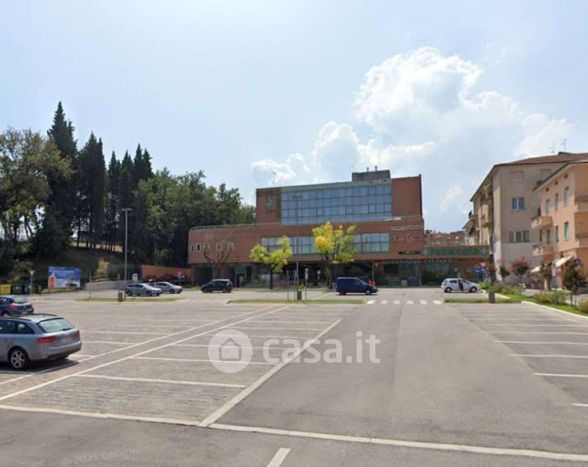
x: 347, y: 285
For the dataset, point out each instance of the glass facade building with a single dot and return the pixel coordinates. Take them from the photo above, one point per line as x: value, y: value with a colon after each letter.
x: 363, y: 243
x: 343, y: 202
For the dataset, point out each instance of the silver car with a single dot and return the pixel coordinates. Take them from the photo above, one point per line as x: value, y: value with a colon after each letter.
x: 168, y: 287
x: 33, y: 338
x: 459, y: 285
x: 142, y: 290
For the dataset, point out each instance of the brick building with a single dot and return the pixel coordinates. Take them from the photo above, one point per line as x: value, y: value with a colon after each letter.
x: 389, y: 237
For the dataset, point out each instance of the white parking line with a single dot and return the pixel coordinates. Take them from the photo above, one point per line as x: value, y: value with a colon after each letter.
x: 384, y: 302
x: 437, y: 302
x: 541, y: 332
x: 547, y: 356
x: 255, y: 336
x: 423, y: 302
x: 164, y: 381
x: 283, y: 328
x: 543, y: 342
x: 241, y: 346
x: 84, y: 341
x: 562, y: 375
x: 396, y: 302
x: 409, y: 302
x: 580, y: 405
x: 127, y: 332
x: 512, y: 452
x: 279, y: 457
x: 371, y: 302
x: 201, y: 360
x: 539, y: 325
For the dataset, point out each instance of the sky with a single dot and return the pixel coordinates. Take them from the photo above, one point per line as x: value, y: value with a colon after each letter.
x: 260, y: 93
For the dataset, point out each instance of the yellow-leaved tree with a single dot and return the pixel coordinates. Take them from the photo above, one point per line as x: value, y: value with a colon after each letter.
x: 335, y: 245
x: 275, y: 259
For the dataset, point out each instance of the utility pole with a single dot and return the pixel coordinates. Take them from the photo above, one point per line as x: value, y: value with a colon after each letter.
x: 126, y: 211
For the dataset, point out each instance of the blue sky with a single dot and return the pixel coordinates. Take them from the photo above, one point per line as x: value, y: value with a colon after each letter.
x: 264, y: 92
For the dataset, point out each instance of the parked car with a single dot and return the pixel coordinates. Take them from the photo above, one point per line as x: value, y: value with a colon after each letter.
x: 11, y: 305
x: 217, y: 285
x: 168, y: 287
x: 142, y: 290
x: 32, y: 338
x: 347, y: 285
x: 453, y: 285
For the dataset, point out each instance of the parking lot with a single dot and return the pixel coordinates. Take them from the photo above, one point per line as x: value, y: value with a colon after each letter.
x: 453, y: 384
x: 554, y: 345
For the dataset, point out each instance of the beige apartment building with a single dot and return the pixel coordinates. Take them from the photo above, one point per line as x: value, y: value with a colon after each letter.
x: 505, y: 203
x: 561, y: 225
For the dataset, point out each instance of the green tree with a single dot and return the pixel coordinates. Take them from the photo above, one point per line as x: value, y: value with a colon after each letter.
x: 504, y: 272
x: 574, y: 279
x: 93, y: 189
x: 26, y: 159
x: 59, y: 213
x: 112, y: 202
x: 274, y: 259
x: 335, y: 246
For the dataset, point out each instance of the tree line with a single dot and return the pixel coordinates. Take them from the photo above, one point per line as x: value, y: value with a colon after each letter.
x: 54, y: 195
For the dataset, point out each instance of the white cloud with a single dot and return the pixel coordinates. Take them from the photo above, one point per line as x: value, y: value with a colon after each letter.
x: 423, y: 114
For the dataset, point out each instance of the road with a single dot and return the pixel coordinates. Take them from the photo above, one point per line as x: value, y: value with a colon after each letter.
x: 451, y: 385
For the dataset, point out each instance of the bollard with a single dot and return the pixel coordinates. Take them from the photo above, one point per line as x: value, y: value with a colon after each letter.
x: 121, y: 296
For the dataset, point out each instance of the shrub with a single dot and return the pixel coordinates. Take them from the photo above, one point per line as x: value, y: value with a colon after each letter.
x: 555, y: 297
x: 543, y: 297
x: 485, y: 284
x: 583, y: 306
x: 512, y: 290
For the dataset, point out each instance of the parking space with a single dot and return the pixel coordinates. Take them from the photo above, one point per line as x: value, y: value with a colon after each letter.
x: 150, y: 360
x: 553, y: 345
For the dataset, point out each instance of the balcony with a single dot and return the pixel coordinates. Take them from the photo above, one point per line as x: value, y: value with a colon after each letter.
x: 582, y: 239
x: 581, y: 203
x: 541, y: 222
x: 542, y: 249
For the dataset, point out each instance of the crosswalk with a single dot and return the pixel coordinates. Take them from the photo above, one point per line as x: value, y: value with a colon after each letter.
x: 405, y: 302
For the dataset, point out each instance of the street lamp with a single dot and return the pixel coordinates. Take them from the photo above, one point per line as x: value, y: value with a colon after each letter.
x: 126, y: 211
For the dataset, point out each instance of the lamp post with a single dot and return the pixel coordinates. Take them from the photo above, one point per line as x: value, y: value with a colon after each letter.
x: 126, y: 211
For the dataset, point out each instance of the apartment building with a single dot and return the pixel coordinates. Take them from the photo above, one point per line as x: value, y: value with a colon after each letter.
x: 505, y: 203
x: 561, y: 224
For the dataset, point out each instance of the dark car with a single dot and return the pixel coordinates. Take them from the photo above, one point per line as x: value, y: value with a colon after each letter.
x: 32, y: 338
x: 15, y: 306
x: 347, y: 285
x: 217, y: 285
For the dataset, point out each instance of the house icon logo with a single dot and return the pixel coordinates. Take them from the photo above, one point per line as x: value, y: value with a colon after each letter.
x: 229, y: 350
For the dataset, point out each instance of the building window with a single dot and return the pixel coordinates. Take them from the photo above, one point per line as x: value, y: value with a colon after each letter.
x: 566, y: 231
x: 219, y: 247
x: 519, y: 236
x: 544, y: 173
x: 557, y: 233
x: 566, y: 196
x: 547, y: 207
x: 518, y: 204
x: 517, y: 175
x: 205, y: 247
x: 230, y: 246
x: 350, y: 203
x: 197, y: 246
x: 548, y: 236
x: 556, y: 202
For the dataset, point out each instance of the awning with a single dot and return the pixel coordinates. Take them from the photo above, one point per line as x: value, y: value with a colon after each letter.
x: 536, y: 270
x: 560, y: 262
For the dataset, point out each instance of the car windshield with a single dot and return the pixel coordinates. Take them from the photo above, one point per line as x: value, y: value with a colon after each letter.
x: 21, y: 300
x: 55, y: 325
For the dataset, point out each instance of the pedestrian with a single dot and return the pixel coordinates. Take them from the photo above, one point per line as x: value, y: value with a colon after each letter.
x: 460, y: 282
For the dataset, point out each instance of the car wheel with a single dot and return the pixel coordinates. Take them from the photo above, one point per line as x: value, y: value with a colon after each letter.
x: 5, y: 314
x: 448, y: 290
x: 473, y: 290
x: 18, y: 359
x: 149, y: 294
x: 368, y: 292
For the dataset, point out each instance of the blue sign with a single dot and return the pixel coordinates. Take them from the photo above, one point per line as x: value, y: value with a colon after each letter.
x: 64, y: 277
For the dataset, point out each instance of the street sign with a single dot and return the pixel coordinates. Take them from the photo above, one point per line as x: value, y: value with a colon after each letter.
x: 135, y: 277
